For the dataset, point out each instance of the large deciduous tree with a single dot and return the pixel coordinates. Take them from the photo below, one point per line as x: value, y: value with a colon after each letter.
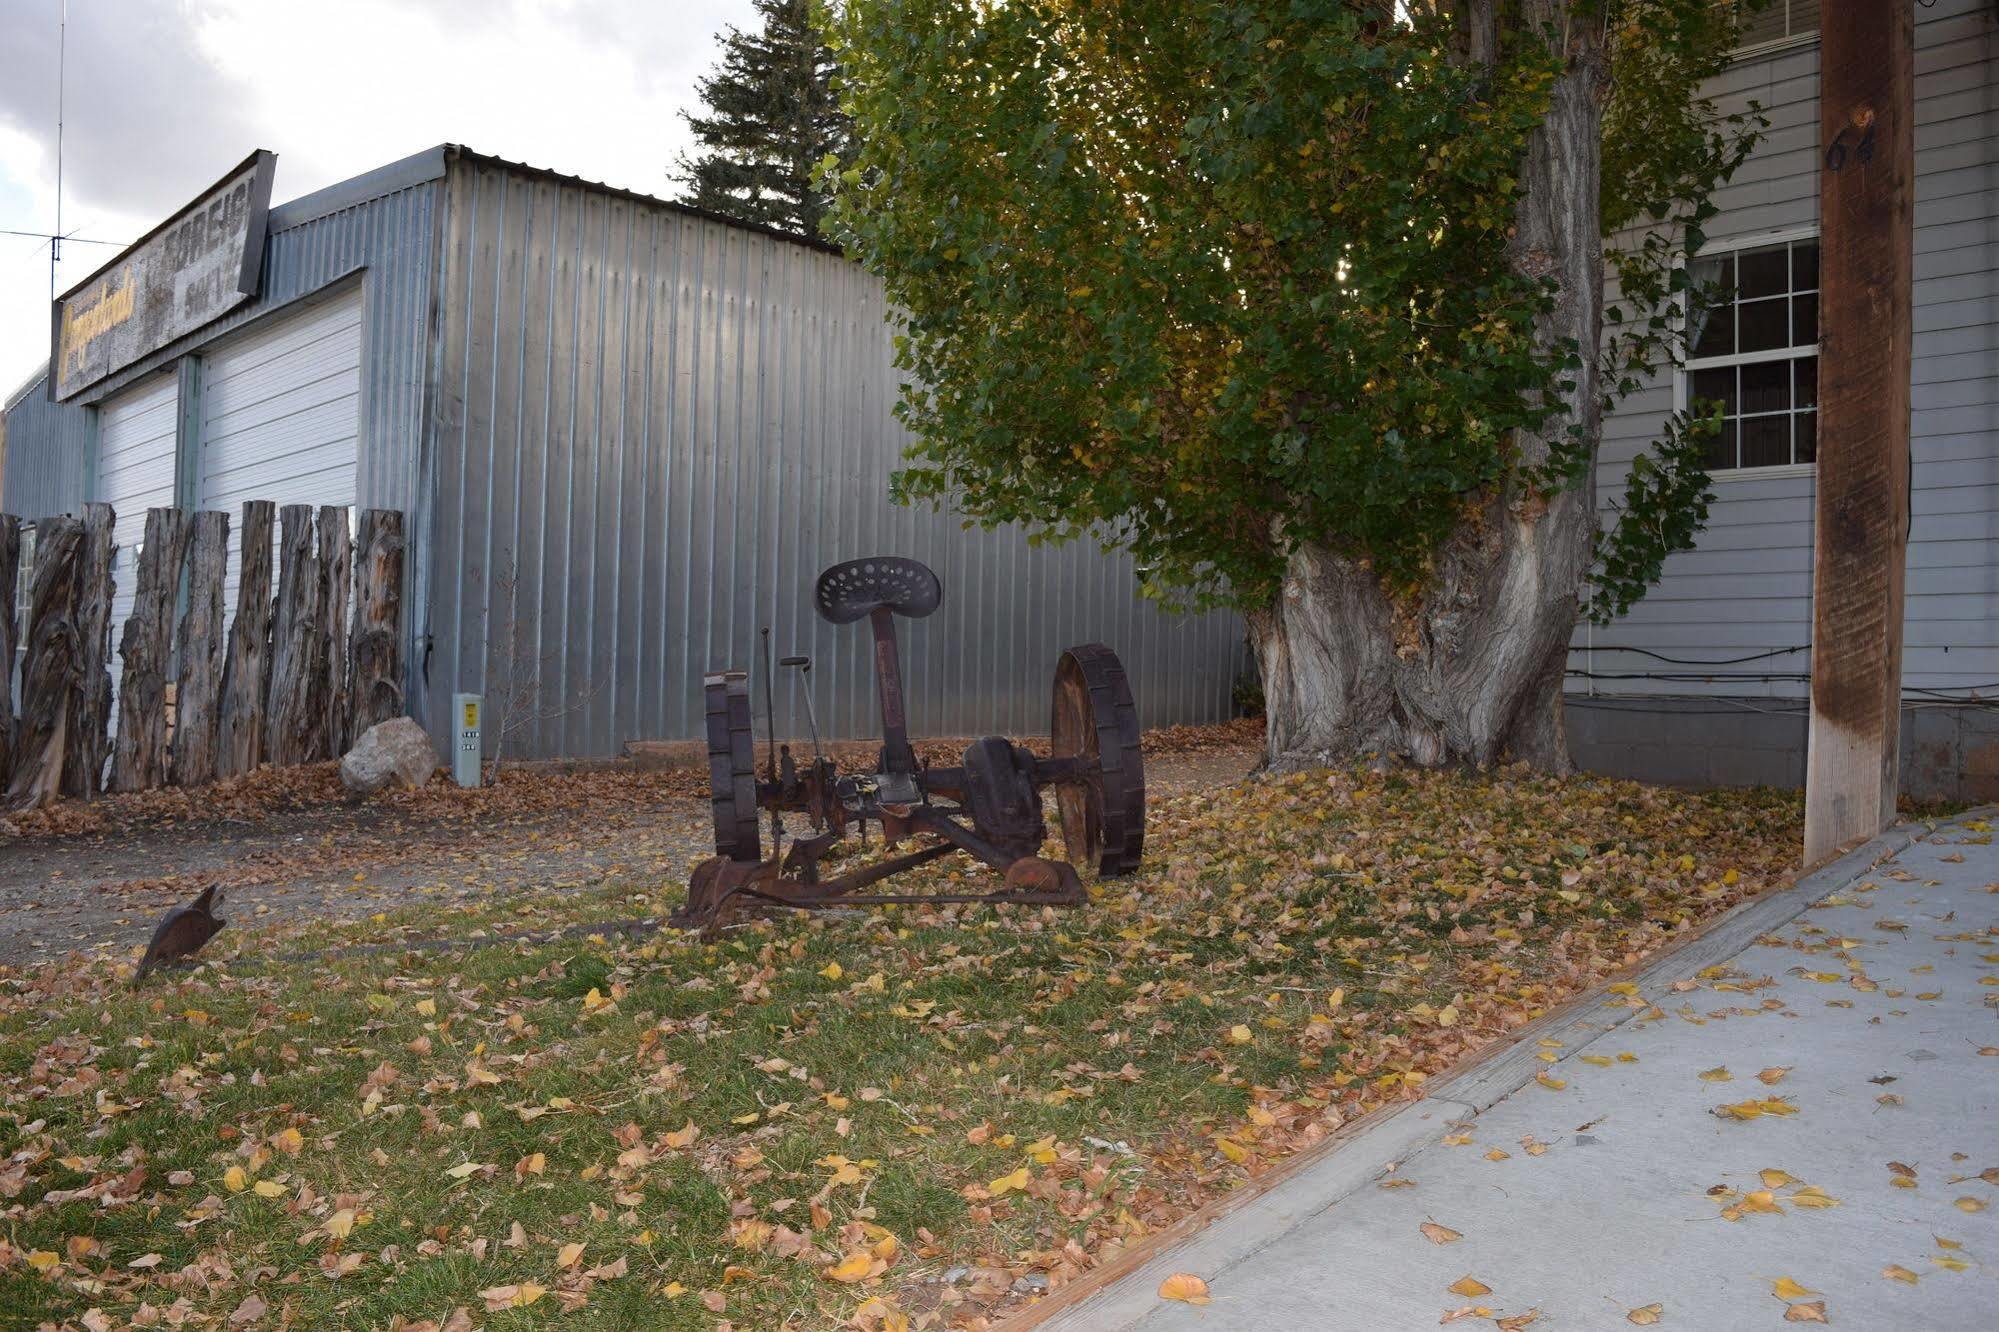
x: 771, y: 115
x: 1302, y: 301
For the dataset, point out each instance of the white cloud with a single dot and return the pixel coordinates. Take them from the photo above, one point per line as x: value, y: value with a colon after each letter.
x: 164, y: 97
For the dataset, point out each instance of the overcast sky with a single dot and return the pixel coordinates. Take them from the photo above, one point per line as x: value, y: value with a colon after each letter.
x: 164, y: 96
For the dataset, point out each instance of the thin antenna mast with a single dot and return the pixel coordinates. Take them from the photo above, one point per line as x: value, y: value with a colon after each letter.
x: 62, y: 71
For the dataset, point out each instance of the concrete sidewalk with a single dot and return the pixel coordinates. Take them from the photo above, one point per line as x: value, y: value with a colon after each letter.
x: 1870, y: 992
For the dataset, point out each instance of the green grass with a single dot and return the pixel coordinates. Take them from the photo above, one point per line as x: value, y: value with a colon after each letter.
x: 1185, y: 1014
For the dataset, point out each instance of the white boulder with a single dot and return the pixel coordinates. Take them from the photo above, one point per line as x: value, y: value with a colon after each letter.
x: 397, y: 750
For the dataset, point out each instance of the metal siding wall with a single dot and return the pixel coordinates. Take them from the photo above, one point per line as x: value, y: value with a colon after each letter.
x: 1746, y: 586
x: 48, y: 445
x: 671, y: 425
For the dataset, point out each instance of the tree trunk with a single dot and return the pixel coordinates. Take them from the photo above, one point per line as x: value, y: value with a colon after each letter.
x: 1471, y: 670
x: 198, y: 689
x: 377, y: 679
x: 245, y: 678
x: 294, y: 703
x: 336, y: 569
x: 139, y: 754
x: 90, y: 714
x: 52, y: 674
x: 10, y: 577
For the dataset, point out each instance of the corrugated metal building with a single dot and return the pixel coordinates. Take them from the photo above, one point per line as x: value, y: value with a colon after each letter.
x: 628, y: 435
x: 1706, y: 679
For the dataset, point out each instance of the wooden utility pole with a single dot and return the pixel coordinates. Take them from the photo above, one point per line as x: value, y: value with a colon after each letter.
x: 1866, y: 206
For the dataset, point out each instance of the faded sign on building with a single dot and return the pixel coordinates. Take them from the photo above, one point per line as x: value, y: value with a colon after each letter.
x: 191, y: 269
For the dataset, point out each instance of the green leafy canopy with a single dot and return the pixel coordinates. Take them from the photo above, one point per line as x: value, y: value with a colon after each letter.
x: 1211, y: 281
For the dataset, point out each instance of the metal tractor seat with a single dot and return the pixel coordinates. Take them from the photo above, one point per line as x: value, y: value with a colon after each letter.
x: 855, y: 589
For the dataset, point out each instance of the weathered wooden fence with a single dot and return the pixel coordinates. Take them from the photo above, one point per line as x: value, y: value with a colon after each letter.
x: 289, y: 679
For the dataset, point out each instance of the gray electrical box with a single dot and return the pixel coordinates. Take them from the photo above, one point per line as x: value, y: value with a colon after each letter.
x: 467, y: 750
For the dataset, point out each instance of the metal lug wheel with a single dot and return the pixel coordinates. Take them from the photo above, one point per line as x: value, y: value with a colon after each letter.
x: 732, y: 774
x: 1103, y: 815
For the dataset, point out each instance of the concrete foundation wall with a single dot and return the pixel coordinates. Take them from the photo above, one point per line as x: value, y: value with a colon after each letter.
x: 1949, y: 751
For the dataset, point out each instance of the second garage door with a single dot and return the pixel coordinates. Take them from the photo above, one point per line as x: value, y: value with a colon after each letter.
x: 280, y: 413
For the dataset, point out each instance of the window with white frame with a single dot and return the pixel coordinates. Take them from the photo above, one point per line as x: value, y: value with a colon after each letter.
x: 1768, y: 22
x: 1755, y: 351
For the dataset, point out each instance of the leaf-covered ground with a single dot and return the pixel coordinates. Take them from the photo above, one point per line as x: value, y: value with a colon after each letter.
x: 915, y: 1117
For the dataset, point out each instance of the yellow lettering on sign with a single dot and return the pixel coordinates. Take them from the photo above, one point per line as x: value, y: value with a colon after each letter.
x: 113, y: 308
x: 471, y: 715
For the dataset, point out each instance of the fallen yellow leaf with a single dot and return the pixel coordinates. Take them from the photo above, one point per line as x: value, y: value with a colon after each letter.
x: 1806, y: 1313
x: 235, y: 1179
x: 1770, y: 1077
x: 341, y: 1224
x: 1437, y: 1234
x: 1720, y: 1074
x: 832, y: 971
x: 1896, y: 1272
x: 1468, y: 1285
x: 1784, y: 1288
x: 1969, y: 1204
x: 854, y: 1267
x: 1646, y: 1315
x: 1776, y: 1179
x: 1239, y: 1035
x: 1009, y: 1182
x: 1185, y: 1287
x: 1553, y: 1084
x: 569, y: 1255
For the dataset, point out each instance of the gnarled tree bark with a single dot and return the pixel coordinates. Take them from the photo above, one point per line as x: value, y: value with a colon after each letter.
x: 139, y: 753
x: 52, y: 673
x: 376, y: 682
x: 1470, y: 669
x: 198, y: 687
x: 90, y: 713
x: 245, y: 676
x: 10, y: 577
x: 336, y: 576
x: 294, y: 705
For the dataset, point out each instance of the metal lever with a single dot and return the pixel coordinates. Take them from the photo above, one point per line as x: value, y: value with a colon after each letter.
x: 804, y: 666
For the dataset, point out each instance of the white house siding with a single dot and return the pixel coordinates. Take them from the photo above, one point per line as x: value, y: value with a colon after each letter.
x: 1746, y: 586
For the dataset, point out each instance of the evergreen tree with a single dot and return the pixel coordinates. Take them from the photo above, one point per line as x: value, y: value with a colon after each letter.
x: 772, y: 115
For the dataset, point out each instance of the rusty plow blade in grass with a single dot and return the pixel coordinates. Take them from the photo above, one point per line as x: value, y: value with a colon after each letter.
x: 988, y: 807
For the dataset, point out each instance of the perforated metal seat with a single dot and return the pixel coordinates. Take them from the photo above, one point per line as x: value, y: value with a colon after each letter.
x: 853, y: 589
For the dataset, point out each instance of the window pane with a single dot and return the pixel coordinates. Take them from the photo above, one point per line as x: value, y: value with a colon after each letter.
x: 1718, y: 385
x: 1719, y: 450
x: 1764, y: 272
x: 1804, y: 320
x: 1763, y: 325
x: 1805, y: 378
x: 1808, y: 436
x: 1714, y: 280
x: 1762, y: 25
x: 1804, y: 16
x: 1766, y: 441
x: 1805, y: 266
x: 1766, y: 386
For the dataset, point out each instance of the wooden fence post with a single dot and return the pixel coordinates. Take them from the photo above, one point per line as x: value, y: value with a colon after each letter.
x: 138, y: 755
x: 50, y: 678
x: 245, y: 678
x: 336, y: 569
x: 376, y: 683
x: 294, y: 702
x: 90, y: 714
x: 10, y: 577
x: 198, y: 687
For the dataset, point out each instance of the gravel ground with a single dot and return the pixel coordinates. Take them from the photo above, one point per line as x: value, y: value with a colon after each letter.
x: 94, y: 878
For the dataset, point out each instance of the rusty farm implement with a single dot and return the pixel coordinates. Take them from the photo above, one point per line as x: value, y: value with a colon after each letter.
x: 989, y: 806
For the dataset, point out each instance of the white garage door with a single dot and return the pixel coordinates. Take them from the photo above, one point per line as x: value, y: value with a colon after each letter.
x: 280, y: 414
x: 135, y: 472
